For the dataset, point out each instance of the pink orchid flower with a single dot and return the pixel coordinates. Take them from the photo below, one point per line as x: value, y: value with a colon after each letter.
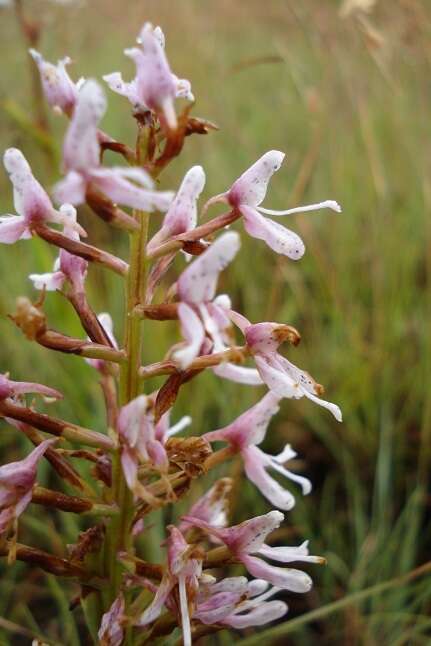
x: 199, y: 311
x: 184, y: 570
x: 60, y: 91
x: 279, y: 374
x: 244, y: 434
x: 67, y: 267
x: 246, y: 543
x: 212, y: 507
x: 238, y: 603
x: 247, y: 194
x: 16, y: 484
x: 138, y: 442
x: 182, y: 213
x: 111, y: 631
x: 155, y: 87
x: 143, y: 441
x: 81, y: 158
x: 30, y: 200
x: 202, y: 313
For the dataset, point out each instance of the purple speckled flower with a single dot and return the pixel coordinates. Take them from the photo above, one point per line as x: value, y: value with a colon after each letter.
x: 238, y: 603
x: 247, y: 543
x: 248, y: 192
x: 279, y: 374
x: 60, y: 91
x: 184, y: 570
x: 182, y: 213
x: 16, y: 484
x: 81, y: 157
x: 155, y: 87
x: 31, y: 201
x: 244, y: 434
x: 111, y: 631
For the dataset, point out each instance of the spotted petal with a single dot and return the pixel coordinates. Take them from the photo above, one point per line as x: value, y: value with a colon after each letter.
x: 285, y: 578
x: 255, y: 464
x: 114, y: 182
x: 182, y: 213
x: 258, y: 616
x: 250, y: 189
x: 276, y: 236
x: 198, y: 283
x: 194, y: 334
x: 59, y: 89
x: 30, y: 200
x: 81, y: 148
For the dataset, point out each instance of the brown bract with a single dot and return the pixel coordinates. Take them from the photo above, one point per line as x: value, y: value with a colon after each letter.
x: 188, y: 454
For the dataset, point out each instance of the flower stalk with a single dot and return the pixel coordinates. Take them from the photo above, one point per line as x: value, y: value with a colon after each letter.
x: 138, y: 458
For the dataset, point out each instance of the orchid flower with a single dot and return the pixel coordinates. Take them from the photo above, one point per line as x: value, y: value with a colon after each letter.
x: 184, y: 569
x: 244, y: 434
x: 238, y: 603
x: 138, y: 443
x: 201, y: 313
x: 60, y: 91
x: 246, y: 543
x: 182, y: 213
x: 248, y: 192
x: 81, y: 158
x: 143, y: 441
x: 11, y: 389
x: 16, y: 485
x: 212, y: 507
x: 279, y: 374
x: 154, y: 87
x: 67, y: 266
x: 30, y: 200
x: 111, y: 631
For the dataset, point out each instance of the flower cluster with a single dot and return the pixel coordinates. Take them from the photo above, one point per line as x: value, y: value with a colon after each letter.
x: 140, y: 462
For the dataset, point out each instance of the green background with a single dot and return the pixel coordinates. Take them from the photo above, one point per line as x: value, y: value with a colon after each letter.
x: 347, y: 97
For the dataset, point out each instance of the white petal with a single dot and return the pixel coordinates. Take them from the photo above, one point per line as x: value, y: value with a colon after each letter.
x: 250, y: 189
x: 194, y: 334
x: 238, y: 374
x: 70, y: 189
x: 198, y: 283
x: 278, y: 381
x: 335, y: 410
x: 81, y: 144
x: 255, y: 464
x: 328, y: 204
x: 277, y: 237
x: 285, y: 578
x: 13, y: 228
x: 49, y: 281
x: 288, y: 554
x: 270, y: 611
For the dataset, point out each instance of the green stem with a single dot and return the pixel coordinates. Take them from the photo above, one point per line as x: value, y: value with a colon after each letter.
x: 119, y: 534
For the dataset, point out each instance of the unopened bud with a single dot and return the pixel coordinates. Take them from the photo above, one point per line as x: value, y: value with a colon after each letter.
x: 29, y: 317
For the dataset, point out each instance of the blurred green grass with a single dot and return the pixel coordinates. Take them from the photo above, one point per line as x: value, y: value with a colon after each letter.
x: 348, y: 99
